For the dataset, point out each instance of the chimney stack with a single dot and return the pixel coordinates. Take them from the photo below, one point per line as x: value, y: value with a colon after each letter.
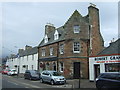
x: 28, y: 47
x: 49, y: 28
x: 20, y: 50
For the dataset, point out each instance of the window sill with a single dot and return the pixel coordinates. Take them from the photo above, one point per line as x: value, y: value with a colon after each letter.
x: 76, y: 51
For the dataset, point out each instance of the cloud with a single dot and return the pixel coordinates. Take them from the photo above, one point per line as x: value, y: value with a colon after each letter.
x: 23, y: 23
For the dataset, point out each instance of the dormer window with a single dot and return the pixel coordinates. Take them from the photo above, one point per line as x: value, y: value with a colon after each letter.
x: 56, y: 35
x: 76, y: 28
x: 46, y: 39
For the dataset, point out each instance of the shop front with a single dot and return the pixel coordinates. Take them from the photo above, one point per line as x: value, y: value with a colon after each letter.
x: 101, y: 64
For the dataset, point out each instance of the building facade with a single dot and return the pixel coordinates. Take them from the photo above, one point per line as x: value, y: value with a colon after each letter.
x: 107, y: 60
x: 25, y: 60
x: 67, y: 49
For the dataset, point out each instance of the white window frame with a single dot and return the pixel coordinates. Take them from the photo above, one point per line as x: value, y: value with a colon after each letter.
x: 56, y: 35
x: 61, y: 49
x: 43, y: 52
x: 46, y: 39
x: 76, y: 28
x: 61, y: 66
x: 51, y: 51
x: 76, y: 45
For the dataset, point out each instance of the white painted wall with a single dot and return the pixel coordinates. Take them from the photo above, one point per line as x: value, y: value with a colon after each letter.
x: 92, y: 62
x: 26, y: 60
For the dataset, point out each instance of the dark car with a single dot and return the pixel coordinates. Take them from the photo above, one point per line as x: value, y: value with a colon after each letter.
x: 108, y: 80
x: 32, y: 75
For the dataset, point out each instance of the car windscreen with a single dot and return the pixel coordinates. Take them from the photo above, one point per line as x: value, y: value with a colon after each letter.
x: 34, y: 72
x: 56, y: 74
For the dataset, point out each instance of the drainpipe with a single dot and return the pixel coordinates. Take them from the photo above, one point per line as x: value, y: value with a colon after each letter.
x: 58, y: 57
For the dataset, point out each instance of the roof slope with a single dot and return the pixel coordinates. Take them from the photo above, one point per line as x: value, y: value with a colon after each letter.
x: 51, y: 37
x: 31, y: 51
x: 114, y: 48
x: 61, y: 30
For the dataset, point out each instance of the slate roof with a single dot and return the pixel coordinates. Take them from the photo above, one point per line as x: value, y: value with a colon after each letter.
x: 51, y: 37
x: 61, y: 30
x: 114, y: 48
x: 31, y: 51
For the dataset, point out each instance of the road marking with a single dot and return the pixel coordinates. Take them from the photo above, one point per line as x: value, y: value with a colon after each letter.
x: 30, y: 85
x: 15, y: 83
x: 26, y: 87
x: 12, y: 82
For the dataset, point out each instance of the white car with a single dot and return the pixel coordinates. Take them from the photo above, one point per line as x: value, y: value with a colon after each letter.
x: 12, y: 72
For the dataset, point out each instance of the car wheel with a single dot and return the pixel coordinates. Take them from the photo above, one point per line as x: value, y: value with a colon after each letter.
x: 41, y: 80
x: 52, y: 82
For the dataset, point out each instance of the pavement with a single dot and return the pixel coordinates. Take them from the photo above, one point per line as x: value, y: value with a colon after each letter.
x: 84, y: 83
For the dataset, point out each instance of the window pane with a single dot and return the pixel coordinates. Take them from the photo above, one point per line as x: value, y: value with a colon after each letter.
x: 51, y: 51
x: 76, y: 46
x: 76, y: 28
x: 61, y: 49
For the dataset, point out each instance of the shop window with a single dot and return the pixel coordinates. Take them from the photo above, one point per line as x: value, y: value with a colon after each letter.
x: 114, y: 67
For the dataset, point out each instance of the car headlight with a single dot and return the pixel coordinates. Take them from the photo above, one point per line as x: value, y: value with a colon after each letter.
x: 96, y: 79
x: 57, y: 79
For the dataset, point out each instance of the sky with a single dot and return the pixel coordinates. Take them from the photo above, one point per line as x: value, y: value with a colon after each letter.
x: 23, y: 23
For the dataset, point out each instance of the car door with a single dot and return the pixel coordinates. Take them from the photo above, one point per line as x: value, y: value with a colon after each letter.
x: 43, y: 76
x: 116, y: 82
x: 27, y: 74
x: 113, y: 81
x: 48, y: 77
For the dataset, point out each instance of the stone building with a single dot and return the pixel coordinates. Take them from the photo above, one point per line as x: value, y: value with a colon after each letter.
x: 68, y: 47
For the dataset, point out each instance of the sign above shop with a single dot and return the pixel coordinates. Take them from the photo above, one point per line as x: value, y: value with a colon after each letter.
x: 108, y: 59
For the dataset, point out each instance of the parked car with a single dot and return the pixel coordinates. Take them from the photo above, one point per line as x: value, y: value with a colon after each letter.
x: 5, y: 71
x: 52, y: 77
x: 108, y: 80
x: 31, y: 74
x: 12, y: 72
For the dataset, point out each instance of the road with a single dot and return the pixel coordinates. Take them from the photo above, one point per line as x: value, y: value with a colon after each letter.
x: 12, y: 82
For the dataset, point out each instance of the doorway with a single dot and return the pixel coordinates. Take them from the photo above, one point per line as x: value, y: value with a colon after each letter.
x: 97, y: 70
x: 76, y: 70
